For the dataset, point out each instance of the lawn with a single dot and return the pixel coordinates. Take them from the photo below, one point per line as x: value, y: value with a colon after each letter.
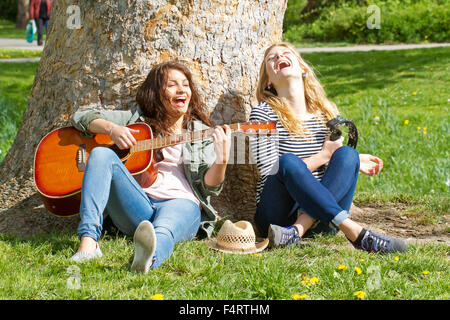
x: 16, y: 80
x: 8, y: 30
x: 325, y: 267
x: 17, y: 53
x: 399, y: 101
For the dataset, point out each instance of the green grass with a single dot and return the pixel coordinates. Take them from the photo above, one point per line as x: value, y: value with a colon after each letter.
x: 376, y: 89
x: 8, y: 30
x: 39, y: 268
x: 16, y: 80
x: 382, y: 90
x: 17, y: 53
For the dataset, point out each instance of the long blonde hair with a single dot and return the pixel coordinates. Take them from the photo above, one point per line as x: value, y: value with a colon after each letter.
x: 315, y: 96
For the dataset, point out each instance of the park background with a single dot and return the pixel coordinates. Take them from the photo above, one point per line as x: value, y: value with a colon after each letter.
x: 399, y: 100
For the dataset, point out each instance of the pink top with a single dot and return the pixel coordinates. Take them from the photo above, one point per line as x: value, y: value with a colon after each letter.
x: 171, y: 181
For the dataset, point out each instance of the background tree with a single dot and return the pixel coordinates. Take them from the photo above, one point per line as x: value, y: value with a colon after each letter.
x: 23, y: 13
x: 99, y: 52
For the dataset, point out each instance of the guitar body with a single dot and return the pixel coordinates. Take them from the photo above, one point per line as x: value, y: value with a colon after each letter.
x: 60, y: 161
x: 61, y: 158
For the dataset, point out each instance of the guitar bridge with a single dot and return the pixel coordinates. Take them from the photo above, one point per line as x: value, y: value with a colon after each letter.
x: 81, y: 158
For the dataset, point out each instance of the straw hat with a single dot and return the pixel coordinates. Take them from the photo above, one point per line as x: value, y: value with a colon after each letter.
x: 237, y: 237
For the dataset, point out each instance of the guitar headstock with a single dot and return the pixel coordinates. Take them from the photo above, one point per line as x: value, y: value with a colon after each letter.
x: 255, y: 127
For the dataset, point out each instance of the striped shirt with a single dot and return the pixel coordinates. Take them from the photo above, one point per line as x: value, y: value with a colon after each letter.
x: 266, y: 150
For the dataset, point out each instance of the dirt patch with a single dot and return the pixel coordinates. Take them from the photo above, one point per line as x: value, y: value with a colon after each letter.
x: 29, y: 217
x: 394, y: 219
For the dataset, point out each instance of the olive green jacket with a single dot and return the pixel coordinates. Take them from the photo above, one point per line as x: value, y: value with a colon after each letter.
x: 198, y: 156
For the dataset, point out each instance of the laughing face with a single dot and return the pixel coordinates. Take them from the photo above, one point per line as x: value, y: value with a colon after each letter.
x: 178, y: 93
x: 281, y: 62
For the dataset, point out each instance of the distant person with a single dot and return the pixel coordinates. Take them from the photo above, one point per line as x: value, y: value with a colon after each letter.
x: 40, y: 12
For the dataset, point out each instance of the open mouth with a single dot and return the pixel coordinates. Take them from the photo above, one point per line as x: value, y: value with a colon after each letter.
x: 283, y: 64
x: 180, y: 101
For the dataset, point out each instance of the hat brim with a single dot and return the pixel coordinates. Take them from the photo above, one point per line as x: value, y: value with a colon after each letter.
x: 259, y: 246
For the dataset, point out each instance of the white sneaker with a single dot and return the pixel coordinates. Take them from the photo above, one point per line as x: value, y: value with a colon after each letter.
x: 144, y: 247
x: 85, y: 256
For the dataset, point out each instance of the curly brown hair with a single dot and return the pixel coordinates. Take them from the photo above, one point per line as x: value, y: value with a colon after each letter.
x: 151, y: 97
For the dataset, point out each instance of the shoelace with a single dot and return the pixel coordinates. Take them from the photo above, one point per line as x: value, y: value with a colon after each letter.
x: 376, y: 242
x: 290, y: 237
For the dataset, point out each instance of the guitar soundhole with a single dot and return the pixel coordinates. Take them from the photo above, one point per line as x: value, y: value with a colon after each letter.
x: 122, y: 154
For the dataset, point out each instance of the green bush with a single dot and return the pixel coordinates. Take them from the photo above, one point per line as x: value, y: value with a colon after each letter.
x: 408, y: 21
x: 8, y: 9
x: 292, y: 15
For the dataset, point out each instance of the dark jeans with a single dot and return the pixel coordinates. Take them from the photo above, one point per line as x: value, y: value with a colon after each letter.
x: 294, y: 187
x: 40, y: 24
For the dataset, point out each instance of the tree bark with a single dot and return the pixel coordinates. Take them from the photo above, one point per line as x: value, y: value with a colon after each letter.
x: 102, y: 63
x: 23, y: 13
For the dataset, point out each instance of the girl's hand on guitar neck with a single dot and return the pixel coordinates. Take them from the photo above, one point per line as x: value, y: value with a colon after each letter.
x: 222, y: 143
x: 122, y: 136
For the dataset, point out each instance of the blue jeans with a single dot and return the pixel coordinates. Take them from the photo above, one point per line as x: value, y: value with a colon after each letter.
x: 294, y: 187
x: 107, y: 184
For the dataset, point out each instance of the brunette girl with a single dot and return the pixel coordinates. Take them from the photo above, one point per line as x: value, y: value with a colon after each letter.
x: 174, y: 207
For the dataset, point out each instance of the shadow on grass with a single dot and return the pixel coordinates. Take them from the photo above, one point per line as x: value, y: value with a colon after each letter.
x: 376, y: 69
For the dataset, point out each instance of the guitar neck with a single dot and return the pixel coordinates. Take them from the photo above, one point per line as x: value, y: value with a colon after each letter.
x: 174, y: 139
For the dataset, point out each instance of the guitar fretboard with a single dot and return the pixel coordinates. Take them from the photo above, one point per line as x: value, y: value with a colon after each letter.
x: 171, y: 140
x: 190, y: 136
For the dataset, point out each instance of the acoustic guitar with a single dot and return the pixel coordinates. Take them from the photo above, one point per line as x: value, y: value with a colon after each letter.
x: 61, y: 158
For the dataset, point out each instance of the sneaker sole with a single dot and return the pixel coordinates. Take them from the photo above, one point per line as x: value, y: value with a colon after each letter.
x: 144, y: 247
x: 272, y: 240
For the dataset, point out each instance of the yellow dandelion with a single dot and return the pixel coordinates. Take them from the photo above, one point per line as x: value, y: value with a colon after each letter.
x: 342, y: 267
x: 418, y: 128
x: 296, y: 296
x: 426, y: 37
x: 414, y: 93
x: 406, y: 122
x: 256, y: 254
x: 358, y: 270
x: 396, y: 258
x: 158, y: 296
x: 360, y: 294
x: 306, y: 283
x: 314, y: 280
x: 426, y: 272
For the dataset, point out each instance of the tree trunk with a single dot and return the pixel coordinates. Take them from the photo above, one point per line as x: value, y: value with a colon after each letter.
x: 23, y: 13
x: 99, y: 54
